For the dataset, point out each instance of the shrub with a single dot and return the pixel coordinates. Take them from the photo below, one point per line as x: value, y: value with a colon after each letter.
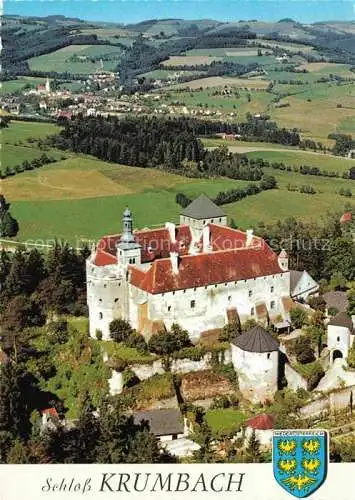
x: 220, y: 402
x: 298, y: 317
x: 98, y: 334
x: 230, y: 331
x: 59, y: 331
x: 303, y: 350
x: 138, y: 341
x: 120, y: 330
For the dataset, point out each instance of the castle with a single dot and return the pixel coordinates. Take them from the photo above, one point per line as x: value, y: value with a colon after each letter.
x: 201, y: 274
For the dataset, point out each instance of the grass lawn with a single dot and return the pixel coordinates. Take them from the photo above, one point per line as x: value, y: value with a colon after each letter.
x: 14, y: 145
x: 225, y: 421
x: 271, y: 206
x: 318, y: 110
x: 128, y: 354
x: 298, y: 157
x: 10, y: 86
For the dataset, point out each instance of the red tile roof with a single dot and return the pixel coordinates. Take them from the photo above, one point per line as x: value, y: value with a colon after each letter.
x: 155, y: 243
x: 347, y: 217
x: 261, y: 422
x: 229, y: 260
x: 50, y: 411
x: 206, y: 269
x: 103, y: 258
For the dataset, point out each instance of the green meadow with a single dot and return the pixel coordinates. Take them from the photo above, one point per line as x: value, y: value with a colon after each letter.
x: 77, y: 59
x: 82, y: 198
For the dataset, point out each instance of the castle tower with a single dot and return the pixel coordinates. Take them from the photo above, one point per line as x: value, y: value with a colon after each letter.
x: 128, y: 250
x: 283, y: 260
x: 255, y: 357
x: 340, y: 332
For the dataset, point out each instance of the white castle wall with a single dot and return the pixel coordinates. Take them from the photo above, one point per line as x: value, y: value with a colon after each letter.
x: 204, y: 308
x: 294, y: 379
x: 338, y: 339
x: 257, y: 373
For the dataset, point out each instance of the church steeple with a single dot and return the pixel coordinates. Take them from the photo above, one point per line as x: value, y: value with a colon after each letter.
x: 127, y: 233
x: 128, y: 250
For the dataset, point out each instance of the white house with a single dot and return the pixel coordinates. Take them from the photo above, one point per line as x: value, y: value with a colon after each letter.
x: 302, y: 285
x: 197, y: 274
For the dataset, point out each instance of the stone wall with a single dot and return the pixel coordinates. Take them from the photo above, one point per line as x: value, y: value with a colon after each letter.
x: 294, y: 379
x: 340, y: 399
x: 185, y: 365
x: 332, y: 402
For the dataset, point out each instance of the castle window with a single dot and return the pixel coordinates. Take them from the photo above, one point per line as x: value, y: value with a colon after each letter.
x: 195, y: 289
x: 225, y: 284
x: 268, y: 355
x: 184, y: 291
x: 116, y: 299
x: 229, y: 298
x: 192, y: 304
x: 272, y: 304
x: 101, y: 315
x: 212, y: 221
x: 220, y: 220
x: 252, y: 311
x: 169, y: 308
x: 250, y: 293
x: 205, y: 287
x: 100, y: 300
x: 105, y: 286
x: 271, y: 289
x: 215, y: 286
x: 338, y: 339
x: 133, y: 260
x: 173, y: 293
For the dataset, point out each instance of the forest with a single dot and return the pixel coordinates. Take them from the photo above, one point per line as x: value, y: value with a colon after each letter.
x: 171, y: 144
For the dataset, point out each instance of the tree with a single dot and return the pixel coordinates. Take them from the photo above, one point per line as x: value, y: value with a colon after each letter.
x: 230, y: 331
x: 120, y: 330
x: 18, y: 453
x: 317, y: 303
x: 8, y: 225
x: 253, y: 447
x: 167, y: 342
x: 351, y: 356
x: 298, y: 317
x: 303, y: 350
x: 203, y: 437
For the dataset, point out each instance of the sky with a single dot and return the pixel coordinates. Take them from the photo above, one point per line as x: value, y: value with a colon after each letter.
x: 128, y: 11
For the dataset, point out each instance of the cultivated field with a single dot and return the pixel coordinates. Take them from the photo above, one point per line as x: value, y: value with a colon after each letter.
x: 221, y: 81
x: 189, y: 60
x: 82, y: 198
x: 77, y: 59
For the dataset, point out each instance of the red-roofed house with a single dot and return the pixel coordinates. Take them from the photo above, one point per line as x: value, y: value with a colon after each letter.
x: 192, y: 274
x: 263, y: 426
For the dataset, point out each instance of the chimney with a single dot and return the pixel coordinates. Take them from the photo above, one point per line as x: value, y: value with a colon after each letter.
x: 174, y: 259
x: 283, y: 260
x: 206, y: 239
x: 249, y: 237
x: 170, y: 226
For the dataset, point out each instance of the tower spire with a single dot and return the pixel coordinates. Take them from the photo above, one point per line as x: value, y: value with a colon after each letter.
x: 127, y: 232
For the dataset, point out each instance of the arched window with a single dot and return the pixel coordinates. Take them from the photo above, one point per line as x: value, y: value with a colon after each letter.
x: 338, y: 339
x: 101, y: 315
x: 268, y: 355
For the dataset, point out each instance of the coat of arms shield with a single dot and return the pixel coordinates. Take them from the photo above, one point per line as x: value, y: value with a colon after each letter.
x: 300, y: 460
